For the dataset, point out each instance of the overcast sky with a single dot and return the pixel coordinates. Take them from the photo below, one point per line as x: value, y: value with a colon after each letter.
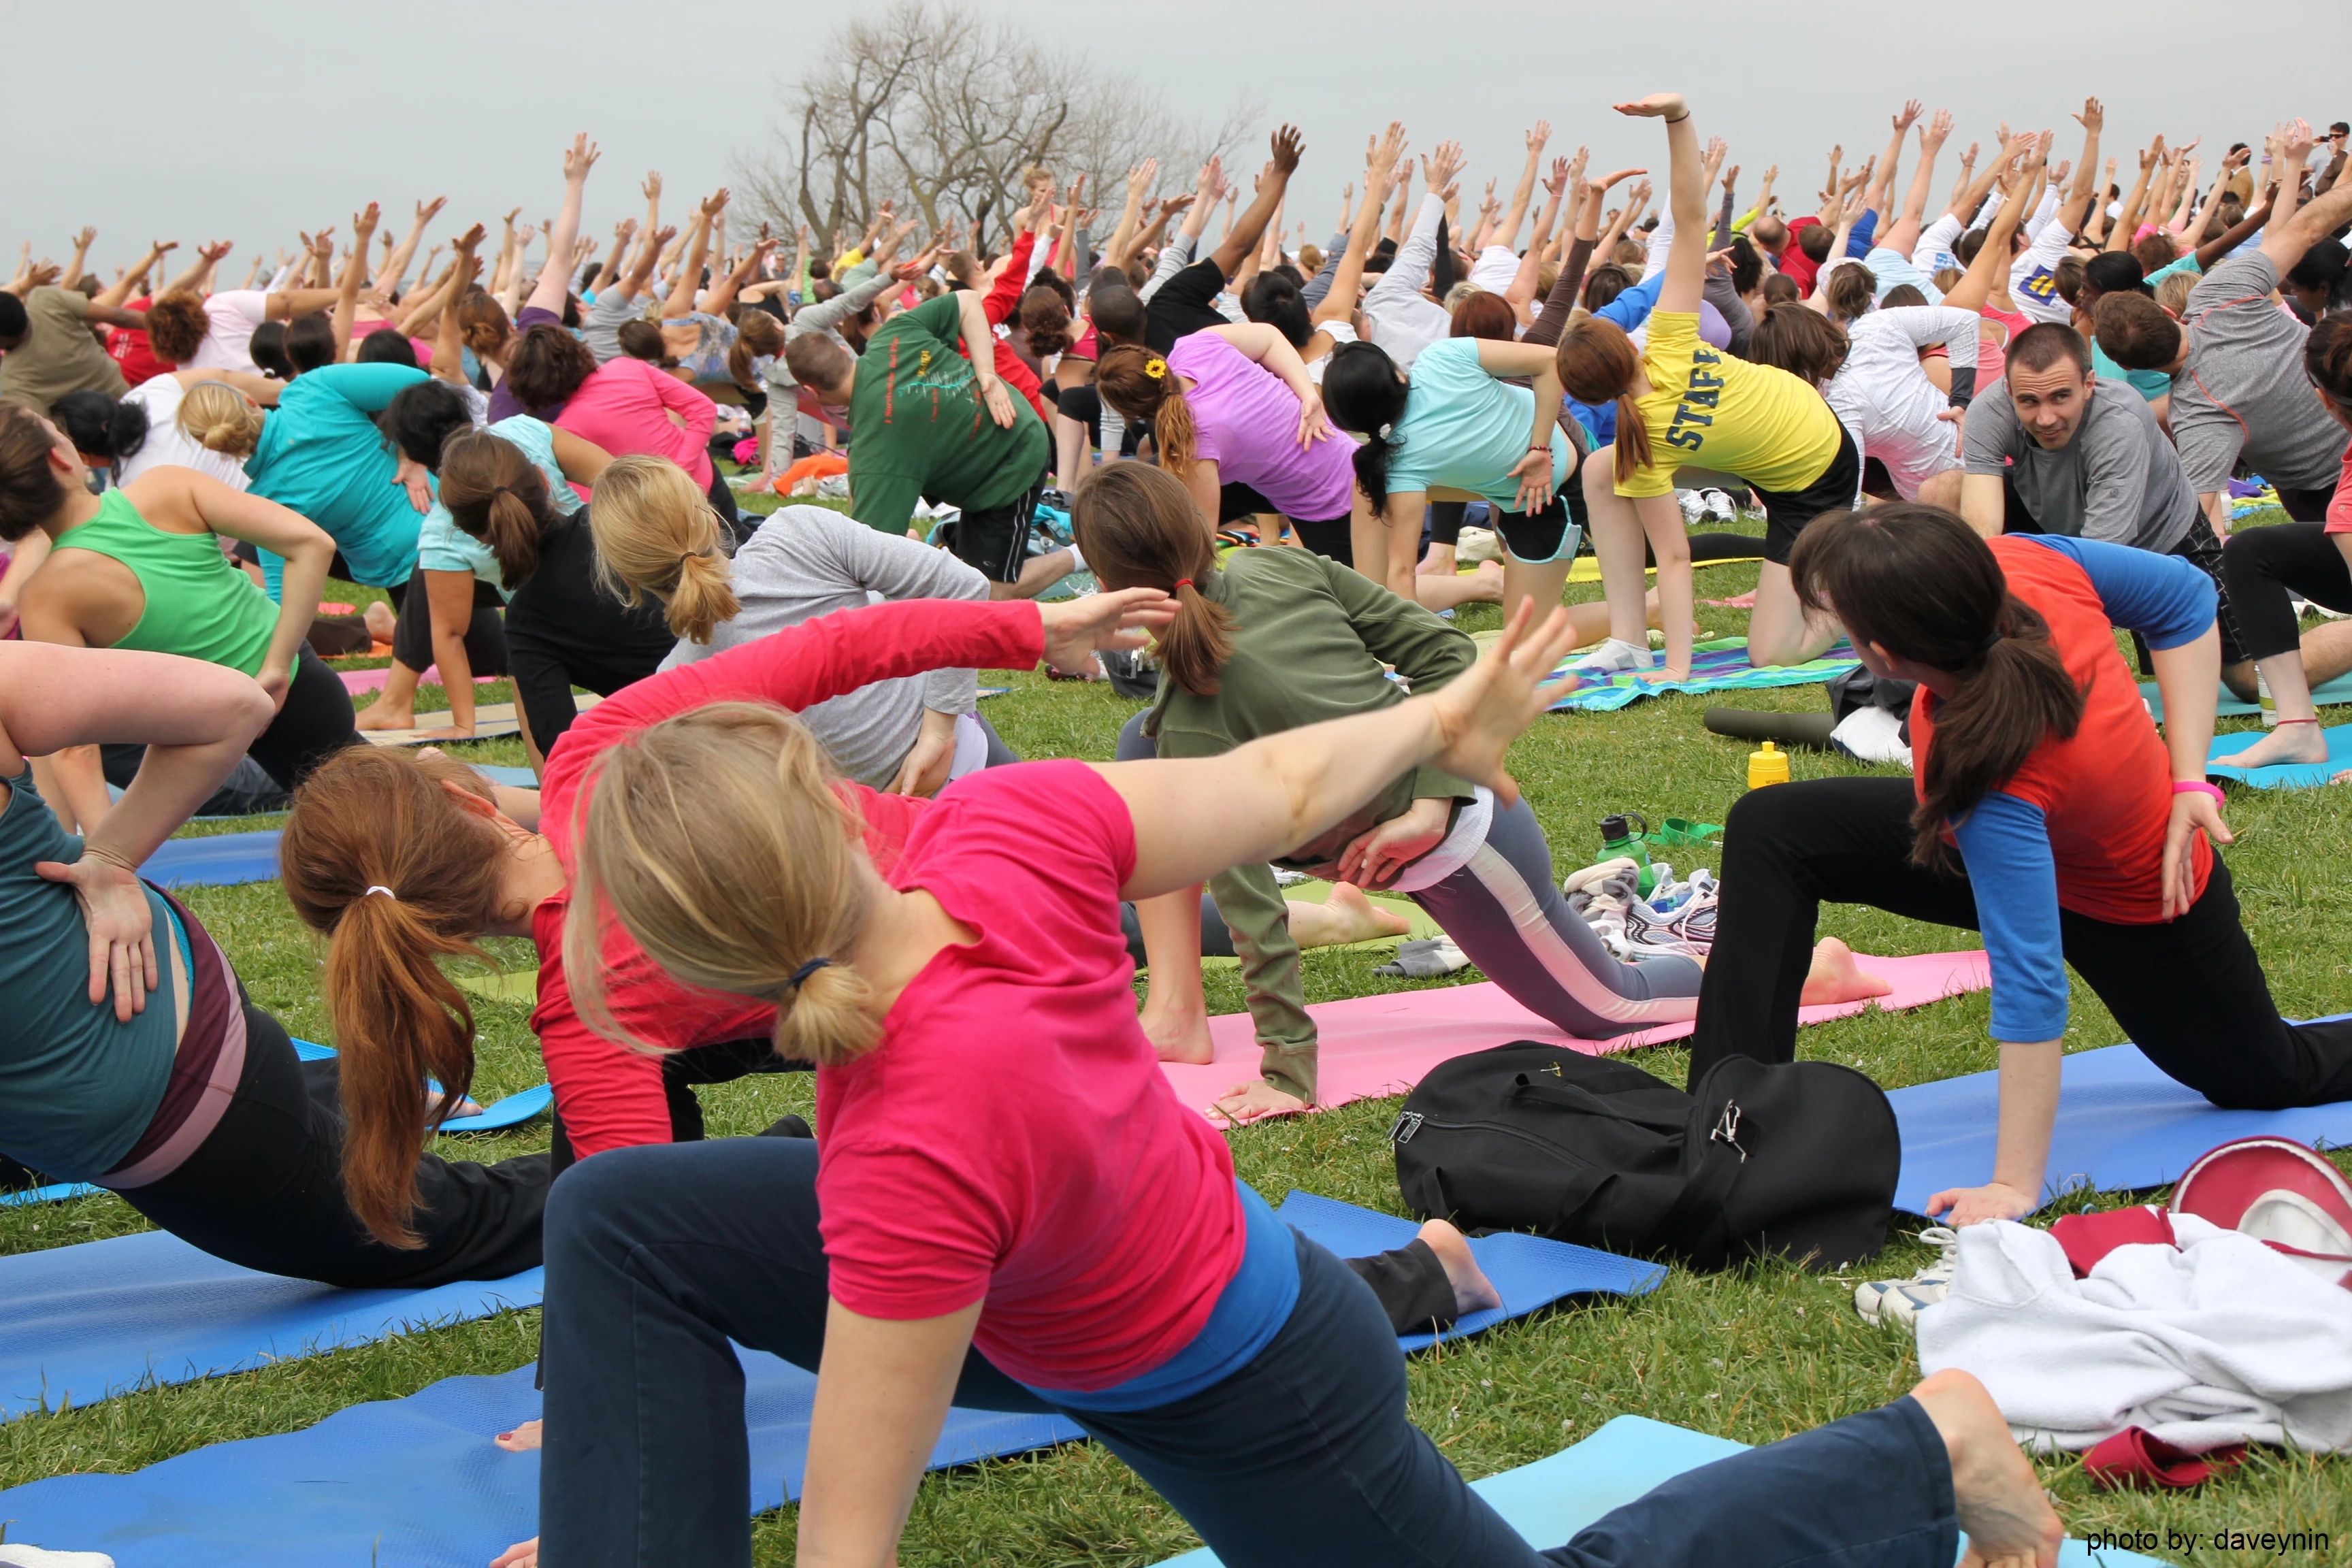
x: 298, y: 113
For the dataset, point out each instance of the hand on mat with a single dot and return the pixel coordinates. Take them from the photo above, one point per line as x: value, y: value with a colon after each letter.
x: 522, y: 1554
x: 1376, y: 858
x: 925, y: 771
x: 1957, y: 1207
x: 2193, y: 812
x: 1074, y: 628
x: 122, y: 928
x: 1487, y: 707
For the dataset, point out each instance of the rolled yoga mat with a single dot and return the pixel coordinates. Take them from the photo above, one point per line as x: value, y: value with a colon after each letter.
x: 1808, y: 729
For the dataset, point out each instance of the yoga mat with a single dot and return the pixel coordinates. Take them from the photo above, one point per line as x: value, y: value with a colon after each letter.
x: 410, y: 1483
x: 1548, y: 1501
x: 87, y: 1323
x: 1719, y: 664
x: 57, y: 1192
x: 2282, y: 775
x: 512, y: 1111
x: 2326, y: 694
x: 359, y: 680
x: 490, y: 719
x: 2122, y: 1126
x: 1588, y: 567
x: 221, y: 860
x: 1379, y: 1045
x: 1528, y: 1270
x: 514, y: 778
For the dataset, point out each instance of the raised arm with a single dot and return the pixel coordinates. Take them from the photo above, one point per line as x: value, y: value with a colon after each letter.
x: 347, y: 296
x: 1380, y: 156
x: 683, y: 288
x: 724, y: 295
x: 2126, y: 222
x: 1140, y: 178
x: 199, y: 273
x: 554, y: 281
x: 2079, y: 196
x: 1521, y: 194
x: 2296, y: 232
x: 395, y: 266
x: 448, y: 359
x: 1687, y: 198
x: 1521, y: 294
x: 1882, y: 184
x: 1903, y: 236
x: 1243, y: 234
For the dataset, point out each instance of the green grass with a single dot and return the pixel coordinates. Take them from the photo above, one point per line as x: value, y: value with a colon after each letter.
x: 1754, y: 1355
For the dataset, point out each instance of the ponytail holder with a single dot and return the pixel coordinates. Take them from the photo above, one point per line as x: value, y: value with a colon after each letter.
x: 1186, y: 583
x: 1986, y: 646
x: 801, y: 975
x: 387, y: 893
x: 1385, y: 429
x: 1156, y: 368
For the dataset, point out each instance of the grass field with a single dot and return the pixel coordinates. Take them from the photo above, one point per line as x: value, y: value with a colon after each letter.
x: 1753, y: 1355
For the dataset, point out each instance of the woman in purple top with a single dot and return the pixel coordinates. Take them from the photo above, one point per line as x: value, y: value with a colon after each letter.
x: 1235, y: 417
x: 541, y: 332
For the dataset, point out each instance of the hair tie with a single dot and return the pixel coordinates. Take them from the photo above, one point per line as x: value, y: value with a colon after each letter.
x: 1186, y: 583
x: 801, y: 975
x: 1385, y: 429
x: 387, y: 893
x: 1990, y: 638
x: 1156, y: 368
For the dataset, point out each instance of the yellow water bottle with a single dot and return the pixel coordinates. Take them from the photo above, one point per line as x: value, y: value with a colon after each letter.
x: 1769, y: 766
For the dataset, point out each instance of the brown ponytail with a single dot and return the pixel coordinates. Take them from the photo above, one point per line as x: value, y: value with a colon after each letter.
x: 495, y: 493
x: 758, y: 335
x: 656, y: 534
x: 1598, y: 365
x: 1918, y: 582
x: 1139, y: 528
x: 1138, y: 384
x: 369, y: 818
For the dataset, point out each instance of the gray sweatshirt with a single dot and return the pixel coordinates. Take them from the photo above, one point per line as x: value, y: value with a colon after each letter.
x: 808, y: 560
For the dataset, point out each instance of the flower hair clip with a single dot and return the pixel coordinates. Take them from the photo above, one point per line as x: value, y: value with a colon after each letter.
x: 1156, y: 369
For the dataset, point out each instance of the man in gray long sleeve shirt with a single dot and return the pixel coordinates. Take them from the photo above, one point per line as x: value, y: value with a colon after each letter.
x: 809, y: 560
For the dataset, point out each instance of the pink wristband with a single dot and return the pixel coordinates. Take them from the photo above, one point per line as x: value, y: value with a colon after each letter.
x: 2199, y: 787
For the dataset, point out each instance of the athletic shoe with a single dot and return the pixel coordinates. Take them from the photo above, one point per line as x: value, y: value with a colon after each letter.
x: 1648, y: 931
x: 1613, y: 656
x: 1694, y: 923
x: 1901, y: 1302
x: 1720, y: 507
x: 1693, y: 507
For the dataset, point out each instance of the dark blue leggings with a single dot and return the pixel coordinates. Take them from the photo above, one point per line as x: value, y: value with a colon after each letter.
x: 657, y: 1255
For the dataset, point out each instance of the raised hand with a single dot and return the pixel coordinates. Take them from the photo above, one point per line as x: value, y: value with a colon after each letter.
x: 1576, y: 165
x: 465, y: 243
x: 1141, y: 176
x: 716, y: 202
x: 1909, y: 117
x: 1555, y: 184
x: 1711, y: 160
x: 363, y: 226
x: 1539, y: 136
x: 81, y: 240
x: 1938, y: 127
x: 2093, y: 115
x: 651, y: 189
x: 580, y: 158
x: 1616, y: 177
x: 1289, y: 146
x: 1440, y: 167
x: 1657, y: 106
x: 1380, y: 155
x: 426, y: 211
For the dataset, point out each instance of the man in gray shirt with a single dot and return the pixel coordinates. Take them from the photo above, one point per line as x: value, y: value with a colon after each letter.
x: 2060, y: 453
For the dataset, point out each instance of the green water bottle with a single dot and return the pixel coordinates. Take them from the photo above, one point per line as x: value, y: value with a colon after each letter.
x: 1620, y: 838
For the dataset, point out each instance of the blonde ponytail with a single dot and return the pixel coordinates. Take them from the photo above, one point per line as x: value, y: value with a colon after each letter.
x: 219, y: 418
x: 721, y: 841
x: 656, y: 534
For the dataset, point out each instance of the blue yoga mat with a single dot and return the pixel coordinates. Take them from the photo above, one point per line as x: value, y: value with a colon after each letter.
x: 518, y: 778
x: 1549, y: 1501
x: 56, y: 1193
x: 2281, y: 776
x: 2325, y: 695
x: 2122, y: 1126
x: 219, y: 861
x: 1529, y: 1271
x: 90, y: 1321
x: 1720, y: 665
x: 512, y: 1111
x: 410, y: 1483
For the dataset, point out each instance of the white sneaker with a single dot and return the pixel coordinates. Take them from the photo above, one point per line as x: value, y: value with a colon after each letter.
x: 1720, y: 507
x: 1612, y: 655
x: 33, y: 1557
x: 1902, y: 1300
x: 1694, y: 505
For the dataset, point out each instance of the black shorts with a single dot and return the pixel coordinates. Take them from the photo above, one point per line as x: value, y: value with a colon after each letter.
x: 1234, y: 501
x: 995, y: 540
x: 1551, y: 533
x: 1786, y: 512
x: 1331, y: 537
x: 2202, y: 550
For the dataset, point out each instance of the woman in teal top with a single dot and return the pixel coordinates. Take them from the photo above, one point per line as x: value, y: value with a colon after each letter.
x: 128, y: 1055
x: 322, y: 454
x: 141, y: 567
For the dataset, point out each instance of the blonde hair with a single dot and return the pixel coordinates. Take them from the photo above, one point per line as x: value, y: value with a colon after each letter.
x: 219, y: 418
x: 656, y: 534
x: 722, y: 842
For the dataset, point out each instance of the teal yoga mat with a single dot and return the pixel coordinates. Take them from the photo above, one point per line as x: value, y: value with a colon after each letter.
x: 1719, y: 665
x: 1550, y: 1501
x: 2281, y: 776
x: 2335, y: 692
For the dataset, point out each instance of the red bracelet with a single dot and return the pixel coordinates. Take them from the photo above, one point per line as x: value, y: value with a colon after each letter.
x: 2199, y: 786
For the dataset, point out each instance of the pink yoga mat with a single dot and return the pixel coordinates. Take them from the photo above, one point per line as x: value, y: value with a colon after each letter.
x: 1376, y: 1046
x: 372, y: 679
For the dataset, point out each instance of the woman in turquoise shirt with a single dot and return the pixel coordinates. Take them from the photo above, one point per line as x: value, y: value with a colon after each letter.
x: 322, y: 454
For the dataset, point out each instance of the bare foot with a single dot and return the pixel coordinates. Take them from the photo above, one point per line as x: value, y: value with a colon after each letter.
x: 2009, y: 1521
x: 466, y: 1106
x: 521, y: 1440
x: 1346, y: 916
x: 1438, y: 563
x: 522, y: 1554
x: 1255, y: 1101
x: 1487, y: 584
x: 2290, y: 742
x: 1178, y: 1034
x: 2344, y: 777
x: 380, y: 622
x: 381, y: 715
x: 1837, y: 977
x: 1473, y: 1291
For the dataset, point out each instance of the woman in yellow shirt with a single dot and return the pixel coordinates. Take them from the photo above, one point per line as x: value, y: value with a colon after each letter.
x: 1680, y: 401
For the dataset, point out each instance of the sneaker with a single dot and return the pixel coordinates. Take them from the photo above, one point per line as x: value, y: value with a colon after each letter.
x: 1648, y: 931
x: 1720, y: 507
x: 1694, y: 505
x: 1613, y: 656
x: 1692, y: 925
x: 1901, y: 1302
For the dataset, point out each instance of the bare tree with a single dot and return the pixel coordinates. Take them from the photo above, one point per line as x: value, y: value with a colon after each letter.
x: 942, y: 114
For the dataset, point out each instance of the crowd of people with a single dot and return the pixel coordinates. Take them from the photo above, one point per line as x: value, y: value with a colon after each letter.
x: 1980, y: 444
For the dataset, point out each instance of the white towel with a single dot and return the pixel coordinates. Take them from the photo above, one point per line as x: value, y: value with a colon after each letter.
x: 2218, y: 1341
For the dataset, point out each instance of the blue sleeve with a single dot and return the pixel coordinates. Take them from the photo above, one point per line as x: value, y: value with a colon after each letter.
x: 1857, y: 244
x: 2005, y: 844
x: 1632, y: 308
x: 369, y: 388
x: 2162, y: 597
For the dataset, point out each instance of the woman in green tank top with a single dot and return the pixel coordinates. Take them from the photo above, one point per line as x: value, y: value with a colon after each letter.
x: 141, y: 568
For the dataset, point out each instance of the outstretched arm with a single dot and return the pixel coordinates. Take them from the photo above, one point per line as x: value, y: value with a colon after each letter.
x: 688, y: 280
x: 1904, y: 237
x: 2295, y: 230
x: 1243, y: 234
x: 1517, y: 213
x: 347, y: 297
x: 1338, y: 304
x: 1687, y: 196
x: 2086, y: 168
x: 554, y: 280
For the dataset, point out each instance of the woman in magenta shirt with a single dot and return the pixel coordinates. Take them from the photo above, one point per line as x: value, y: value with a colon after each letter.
x: 625, y: 408
x: 1008, y: 1208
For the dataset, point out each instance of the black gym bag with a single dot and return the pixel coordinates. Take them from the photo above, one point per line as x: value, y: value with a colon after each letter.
x: 1793, y: 1159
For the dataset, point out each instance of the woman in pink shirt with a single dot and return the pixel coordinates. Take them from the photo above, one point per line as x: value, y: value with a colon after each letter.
x: 1009, y: 1208
x: 625, y: 408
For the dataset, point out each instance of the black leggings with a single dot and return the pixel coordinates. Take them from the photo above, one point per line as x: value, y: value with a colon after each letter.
x: 2190, y: 993
x: 563, y: 630
x: 315, y: 723
x: 2263, y: 565
x: 266, y: 1190
x: 411, y: 640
